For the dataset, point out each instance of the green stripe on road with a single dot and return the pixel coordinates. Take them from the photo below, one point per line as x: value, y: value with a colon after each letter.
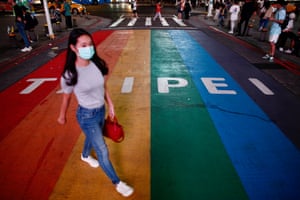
x: 188, y: 160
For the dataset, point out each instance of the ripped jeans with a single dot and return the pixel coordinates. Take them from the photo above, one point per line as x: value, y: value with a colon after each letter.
x: 91, y: 122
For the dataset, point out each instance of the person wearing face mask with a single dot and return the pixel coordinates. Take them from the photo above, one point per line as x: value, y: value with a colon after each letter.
x: 85, y: 75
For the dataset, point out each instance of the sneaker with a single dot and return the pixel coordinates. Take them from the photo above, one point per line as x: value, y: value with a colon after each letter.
x: 91, y: 161
x: 271, y: 59
x: 230, y: 32
x: 267, y: 56
x: 124, y: 189
x: 26, y: 49
x: 288, y: 51
x: 281, y: 49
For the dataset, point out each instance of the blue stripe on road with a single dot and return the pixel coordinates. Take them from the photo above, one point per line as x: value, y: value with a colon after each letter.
x: 267, y: 162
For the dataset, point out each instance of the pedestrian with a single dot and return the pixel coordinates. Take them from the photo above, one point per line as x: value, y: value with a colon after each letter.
x: 287, y: 29
x: 85, y: 75
x: 134, y: 8
x: 20, y: 23
x: 221, y: 16
x: 67, y: 14
x: 180, y: 8
x: 275, y: 29
x: 31, y: 22
x: 265, y: 14
x: 187, y: 9
x: 295, y: 44
x: 217, y: 8
x: 158, y: 10
x: 234, y: 12
x: 248, y: 9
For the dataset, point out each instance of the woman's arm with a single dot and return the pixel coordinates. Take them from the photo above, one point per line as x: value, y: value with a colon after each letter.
x: 111, y: 109
x: 63, y: 108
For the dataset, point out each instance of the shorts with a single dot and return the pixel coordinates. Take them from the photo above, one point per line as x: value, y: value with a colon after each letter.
x: 273, y: 38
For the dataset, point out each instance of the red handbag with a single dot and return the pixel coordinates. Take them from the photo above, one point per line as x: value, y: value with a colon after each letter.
x: 113, y: 130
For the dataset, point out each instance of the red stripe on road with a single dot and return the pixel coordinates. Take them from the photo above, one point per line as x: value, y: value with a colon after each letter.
x: 34, y: 147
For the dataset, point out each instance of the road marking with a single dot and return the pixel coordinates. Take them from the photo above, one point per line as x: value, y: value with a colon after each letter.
x: 262, y: 87
x: 148, y: 21
x: 257, y: 147
x: 127, y: 85
x: 183, y: 135
x: 36, y: 82
x: 116, y: 23
x: 164, y: 22
x: 164, y: 83
x: 214, y: 84
x: 178, y: 21
x: 132, y: 22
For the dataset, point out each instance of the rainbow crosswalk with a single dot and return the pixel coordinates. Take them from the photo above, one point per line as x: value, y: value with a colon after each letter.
x: 192, y: 132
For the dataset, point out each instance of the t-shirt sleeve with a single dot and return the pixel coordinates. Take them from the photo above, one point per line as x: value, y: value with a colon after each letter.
x: 65, y: 88
x: 281, y: 15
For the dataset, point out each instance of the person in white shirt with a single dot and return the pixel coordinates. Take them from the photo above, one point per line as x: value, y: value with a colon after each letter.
x: 234, y: 15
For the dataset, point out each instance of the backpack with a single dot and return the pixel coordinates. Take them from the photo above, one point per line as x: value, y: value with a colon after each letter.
x: 285, y: 22
x: 31, y: 21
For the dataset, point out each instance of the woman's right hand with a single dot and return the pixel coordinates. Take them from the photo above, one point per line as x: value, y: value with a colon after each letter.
x: 61, y: 120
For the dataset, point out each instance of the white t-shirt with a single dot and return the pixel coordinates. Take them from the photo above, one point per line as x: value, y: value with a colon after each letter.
x: 89, y: 89
x: 234, y: 12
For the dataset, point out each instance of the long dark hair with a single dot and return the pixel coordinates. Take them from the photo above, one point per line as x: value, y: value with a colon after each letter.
x: 70, y: 72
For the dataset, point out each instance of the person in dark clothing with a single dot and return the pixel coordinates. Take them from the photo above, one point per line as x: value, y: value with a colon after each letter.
x: 187, y: 10
x: 248, y: 9
x: 30, y: 23
x: 296, y: 44
x: 68, y: 15
x: 20, y: 23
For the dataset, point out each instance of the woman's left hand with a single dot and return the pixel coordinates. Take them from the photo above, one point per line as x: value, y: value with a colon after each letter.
x: 111, y: 111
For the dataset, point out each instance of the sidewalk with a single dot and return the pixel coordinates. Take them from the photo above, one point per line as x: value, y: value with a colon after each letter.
x: 255, y: 39
x: 10, y: 49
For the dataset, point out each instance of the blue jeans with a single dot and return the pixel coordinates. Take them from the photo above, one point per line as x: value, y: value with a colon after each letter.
x: 21, y: 29
x: 91, y: 122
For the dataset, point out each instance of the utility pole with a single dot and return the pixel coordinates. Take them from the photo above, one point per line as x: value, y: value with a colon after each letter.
x: 48, y: 20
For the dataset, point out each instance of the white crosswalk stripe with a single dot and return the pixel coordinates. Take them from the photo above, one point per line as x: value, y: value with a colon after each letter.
x: 164, y: 22
x: 178, y: 21
x: 132, y: 22
x: 147, y: 22
x: 116, y: 23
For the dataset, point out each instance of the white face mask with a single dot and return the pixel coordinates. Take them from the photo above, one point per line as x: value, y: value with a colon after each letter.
x: 86, y: 52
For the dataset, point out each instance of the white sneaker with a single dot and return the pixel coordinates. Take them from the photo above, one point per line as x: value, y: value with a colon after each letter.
x: 26, y: 49
x: 230, y: 32
x: 271, y: 59
x: 124, y: 189
x: 288, y: 51
x: 91, y: 161
x: 267, y: 56
x: 281, y: 49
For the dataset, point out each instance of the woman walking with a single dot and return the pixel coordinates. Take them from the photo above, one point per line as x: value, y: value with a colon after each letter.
x: 85, y: 74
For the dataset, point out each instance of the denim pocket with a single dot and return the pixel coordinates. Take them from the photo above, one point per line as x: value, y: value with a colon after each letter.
x: 85, y: 114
